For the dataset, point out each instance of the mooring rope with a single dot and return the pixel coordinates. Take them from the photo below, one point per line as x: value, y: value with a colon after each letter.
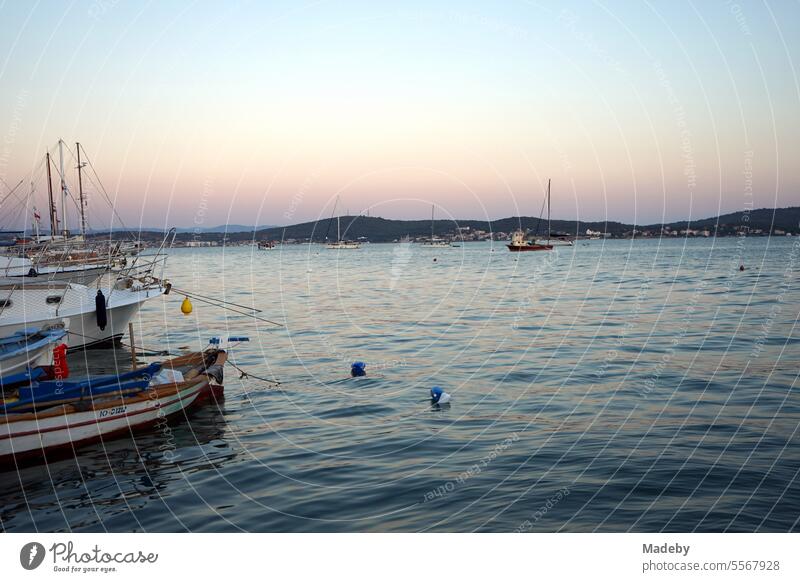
x: 245, y: 374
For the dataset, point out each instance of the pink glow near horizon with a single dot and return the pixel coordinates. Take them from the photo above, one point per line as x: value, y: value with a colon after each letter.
x: 470, y: 111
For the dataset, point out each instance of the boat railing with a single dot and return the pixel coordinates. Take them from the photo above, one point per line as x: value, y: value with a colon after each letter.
x: 23, y: 254
x: 7, y: 300
x: 70, y: 253
x: 149, y: 269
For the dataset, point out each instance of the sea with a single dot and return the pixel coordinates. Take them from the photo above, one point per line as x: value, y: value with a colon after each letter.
x: 610, y: 386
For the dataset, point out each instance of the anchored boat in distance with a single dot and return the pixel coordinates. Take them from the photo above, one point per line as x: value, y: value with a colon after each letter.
x: 435, y: 243
x: 340, y: 244
x: 518, y: 238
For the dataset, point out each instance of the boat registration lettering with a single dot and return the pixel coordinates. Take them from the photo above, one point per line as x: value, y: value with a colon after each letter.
x: 112, y: 411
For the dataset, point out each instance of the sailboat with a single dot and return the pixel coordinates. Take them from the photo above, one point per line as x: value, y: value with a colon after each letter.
x: 435, y: 243
x: 340, y: 244
x: 518, y: 242
x: 61, y: 254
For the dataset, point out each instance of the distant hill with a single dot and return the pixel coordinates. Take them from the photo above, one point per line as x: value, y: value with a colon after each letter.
x: 764, y: 218
x: 225, y: 228
x: 385, y: 230
x: 382, y: 229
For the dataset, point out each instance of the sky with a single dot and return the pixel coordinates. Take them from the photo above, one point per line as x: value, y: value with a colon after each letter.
x: 206, y: 113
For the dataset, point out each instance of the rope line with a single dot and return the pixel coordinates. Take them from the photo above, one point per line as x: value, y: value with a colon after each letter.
x: 245, y: 374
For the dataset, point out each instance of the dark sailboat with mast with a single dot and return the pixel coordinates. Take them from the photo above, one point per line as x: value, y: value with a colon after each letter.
x: 59, y: 253
x: 518, y: 238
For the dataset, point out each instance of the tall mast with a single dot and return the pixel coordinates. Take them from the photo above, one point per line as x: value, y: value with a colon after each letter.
x: 433, y: 207
x: 64, y: 231
x: 35, y: 224
x: 36, y: 218
x: 548, y: 211
x: 52, y: 204
x: 338, y: 230
x: 80, y: 191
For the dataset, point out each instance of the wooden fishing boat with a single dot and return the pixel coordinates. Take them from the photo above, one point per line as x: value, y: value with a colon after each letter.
x: 98, y: 409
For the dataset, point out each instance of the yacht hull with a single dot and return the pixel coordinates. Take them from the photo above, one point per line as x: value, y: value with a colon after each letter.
x: 38, y: 305
x: 524, y: 248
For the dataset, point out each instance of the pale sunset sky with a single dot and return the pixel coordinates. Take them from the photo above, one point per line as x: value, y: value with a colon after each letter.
x: 264, y: 112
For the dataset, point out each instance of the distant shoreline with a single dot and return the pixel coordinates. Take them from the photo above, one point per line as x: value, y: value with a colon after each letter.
x: 760, y: 222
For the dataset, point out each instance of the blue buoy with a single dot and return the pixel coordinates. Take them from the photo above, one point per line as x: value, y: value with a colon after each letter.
x: 439, y: 396
x: 358, y: 369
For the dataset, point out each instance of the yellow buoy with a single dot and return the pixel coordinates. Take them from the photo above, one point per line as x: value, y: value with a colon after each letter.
x: 186, y: 306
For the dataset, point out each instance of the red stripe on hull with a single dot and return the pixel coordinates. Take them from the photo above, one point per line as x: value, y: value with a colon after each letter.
x: 519, y: 249
x: 96, y: 420
x: 59, y: 452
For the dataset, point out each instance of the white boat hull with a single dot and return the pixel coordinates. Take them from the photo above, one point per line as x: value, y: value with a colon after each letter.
x: 19, y: 268
x: 41, y: 356
x: 25, y: 437
x: 343, y: 246
x: 30, y: 308
x: 84, y: 331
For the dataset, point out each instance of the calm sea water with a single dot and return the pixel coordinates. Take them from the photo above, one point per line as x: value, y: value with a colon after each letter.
x: 611, y: 386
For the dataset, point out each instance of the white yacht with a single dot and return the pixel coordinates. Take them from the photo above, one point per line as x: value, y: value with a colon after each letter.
x: 56, y: 252
x: 94, y: 316
x: 79, y: 272
x: 434, y: 242
x: 341, y: 244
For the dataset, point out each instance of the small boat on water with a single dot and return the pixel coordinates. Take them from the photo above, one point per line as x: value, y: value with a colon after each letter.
x: 519, y: 244
x: 519, y: 241
x: 29, y: 348
x: 340, y: 244
x: 40, y: 417
x: 434, y: 242
x: 266, y: 245
x: 344, y: 245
